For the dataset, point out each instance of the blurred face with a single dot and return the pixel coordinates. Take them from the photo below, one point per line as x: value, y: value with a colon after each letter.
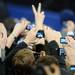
x: 70, y: 26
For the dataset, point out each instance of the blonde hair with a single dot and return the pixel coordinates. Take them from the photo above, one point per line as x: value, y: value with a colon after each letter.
x: 23, y: 57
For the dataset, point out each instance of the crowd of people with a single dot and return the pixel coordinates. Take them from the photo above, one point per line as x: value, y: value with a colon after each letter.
x: 28, y: 48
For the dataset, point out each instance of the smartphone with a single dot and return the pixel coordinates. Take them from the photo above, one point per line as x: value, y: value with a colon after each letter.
x: 62, y: 53
x: 40, y: 34
x: 30, y: 26
x: 63, y: 40
x: 72, y: 68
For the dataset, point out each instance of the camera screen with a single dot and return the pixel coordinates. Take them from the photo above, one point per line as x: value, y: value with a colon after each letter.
x: 40, y: 34
x: 63, y: 41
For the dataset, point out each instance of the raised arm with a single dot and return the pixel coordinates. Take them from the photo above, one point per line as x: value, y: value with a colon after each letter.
x: 18, y: 29
x: 39, y: 21
x: 39, y: 16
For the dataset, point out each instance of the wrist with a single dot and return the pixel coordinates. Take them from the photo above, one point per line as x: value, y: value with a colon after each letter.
x: 13, y: 34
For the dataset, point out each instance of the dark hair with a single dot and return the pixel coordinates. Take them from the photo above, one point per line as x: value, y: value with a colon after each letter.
x: 39, y: 47
x: 48, y: 61
x: 22, y: 70
x: 52, y: 48
x: 67, y: 15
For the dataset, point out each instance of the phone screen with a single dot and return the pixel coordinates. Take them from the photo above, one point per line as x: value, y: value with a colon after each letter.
x: 63, y: 41
x: 40, y: 34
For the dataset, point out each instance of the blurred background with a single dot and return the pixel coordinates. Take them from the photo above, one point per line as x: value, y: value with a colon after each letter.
x: 22, y: 8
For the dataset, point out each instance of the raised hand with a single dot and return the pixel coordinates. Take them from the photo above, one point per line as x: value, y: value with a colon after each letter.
x: 49, y: 35
x: 39, y: 16
x: 71, y: 41
x: 70, y: 55
x: 70, y: 51
x: 32, y: 39
x: 31, y: 36
x: 20, y: 27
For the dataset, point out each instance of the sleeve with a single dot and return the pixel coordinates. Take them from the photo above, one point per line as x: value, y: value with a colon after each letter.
x: 14, y: 50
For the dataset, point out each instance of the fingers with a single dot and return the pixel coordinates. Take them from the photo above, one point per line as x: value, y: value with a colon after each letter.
x: 39, y: 8
x: 69, y: 39
x: 34, y: 10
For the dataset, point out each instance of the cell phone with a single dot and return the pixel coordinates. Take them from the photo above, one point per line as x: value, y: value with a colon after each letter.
x: 62, y: 53
x: 63, y: 40
x: 72, y: 68
x: 40, y: 34
x: 30, y: 26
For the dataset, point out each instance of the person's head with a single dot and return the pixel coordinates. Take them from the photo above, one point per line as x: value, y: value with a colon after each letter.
x: 52, y: 48
x: 50, y: 64
x: 68, y: 20
x: 22, y: 62
x: 39, y: 47
x: 23, y: 57
x: 39, y: 50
